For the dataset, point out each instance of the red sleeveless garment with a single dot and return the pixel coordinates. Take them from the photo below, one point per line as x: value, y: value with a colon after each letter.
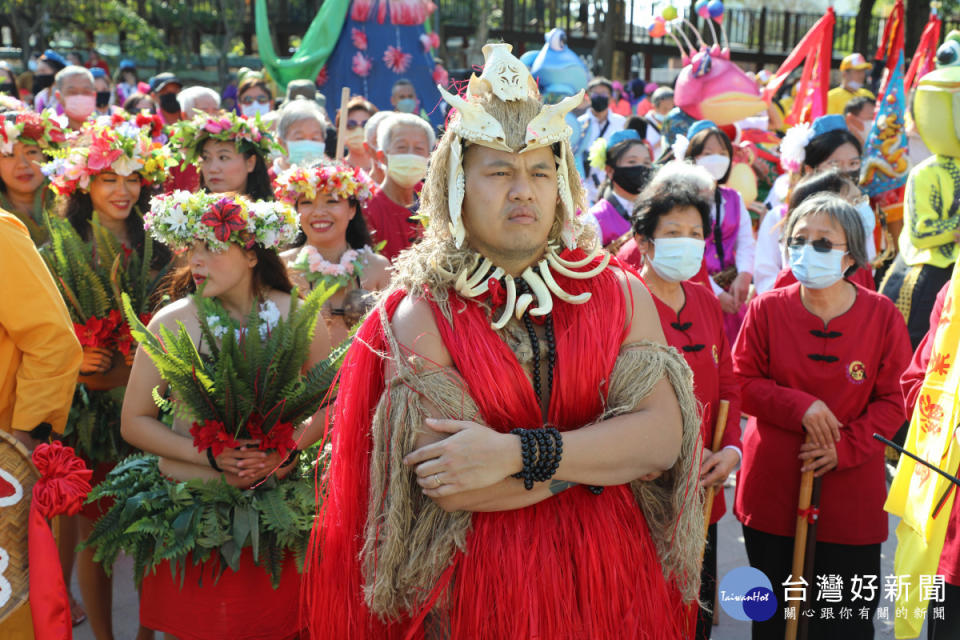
x: 572, y: 566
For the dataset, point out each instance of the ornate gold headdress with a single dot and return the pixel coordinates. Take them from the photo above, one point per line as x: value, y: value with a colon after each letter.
x: 508, y: 79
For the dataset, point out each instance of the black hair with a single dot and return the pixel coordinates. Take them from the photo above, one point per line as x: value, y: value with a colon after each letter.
x: 660, y: 198
x: 822, y: 146
x: 638, y: 124
x: 856, y: 105
x: 268, y: 273
x: 78, y: 210
x: 831, y: 181
x: 358, y: 234
x: 259, y: 186
x: 699, y: 141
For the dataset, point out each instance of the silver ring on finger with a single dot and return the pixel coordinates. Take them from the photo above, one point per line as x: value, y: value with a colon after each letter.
x: 436, y: 480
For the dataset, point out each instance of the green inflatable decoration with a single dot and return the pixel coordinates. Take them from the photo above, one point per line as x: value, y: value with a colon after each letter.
x: 317, y: 44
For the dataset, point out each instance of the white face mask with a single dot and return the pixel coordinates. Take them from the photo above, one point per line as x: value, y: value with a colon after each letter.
x: 853, y: 85
x: 251, y: 110
x: 716, y: 164
x: 657, y: 116
x: 867, y: 217
x: 406, y: 169
x: 677, y: 259
x: 79, y: 107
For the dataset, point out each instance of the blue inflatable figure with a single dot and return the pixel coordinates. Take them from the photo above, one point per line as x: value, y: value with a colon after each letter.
x: 560, y: 73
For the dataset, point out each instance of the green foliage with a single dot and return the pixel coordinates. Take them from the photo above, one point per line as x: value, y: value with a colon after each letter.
x: 154, y: 519
x: 246, y: 372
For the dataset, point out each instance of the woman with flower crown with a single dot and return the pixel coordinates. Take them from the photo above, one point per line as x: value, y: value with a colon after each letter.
x: 229, y: 150
x: 207, y: 585
x: 103, y: 182
x: 334, y: 243
x: 26, y: 139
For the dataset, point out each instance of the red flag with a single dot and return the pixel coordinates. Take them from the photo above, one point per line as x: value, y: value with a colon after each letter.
x: 891, y: 45
x: 815, y: 51
x: 925, y: 57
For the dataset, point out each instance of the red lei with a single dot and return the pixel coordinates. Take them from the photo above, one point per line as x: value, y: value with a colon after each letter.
x: 572, y: 566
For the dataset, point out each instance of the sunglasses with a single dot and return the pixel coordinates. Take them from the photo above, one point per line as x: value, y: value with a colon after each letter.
x: 820, y: 245
x: 353, y: 124
x: 248, y: 100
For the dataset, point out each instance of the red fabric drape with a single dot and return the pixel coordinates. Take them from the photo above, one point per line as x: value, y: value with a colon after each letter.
x: 63, y: 485
x: 924, y: 58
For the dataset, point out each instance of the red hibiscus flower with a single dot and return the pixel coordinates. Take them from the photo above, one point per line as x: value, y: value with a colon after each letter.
x: 280, y: 437
x: 212, y: 435
x: 154, y: 121
x: 224, y: 217
x: 32, y: 125
x: 90, y: 332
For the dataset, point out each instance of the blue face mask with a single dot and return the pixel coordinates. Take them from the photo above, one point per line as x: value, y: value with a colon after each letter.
x: 304, y: 151
x: 407, y: 105
x: 677, y: 259
x: 816, y: 270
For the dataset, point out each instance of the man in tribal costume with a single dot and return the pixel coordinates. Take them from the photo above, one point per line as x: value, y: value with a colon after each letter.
x: 515, y: 449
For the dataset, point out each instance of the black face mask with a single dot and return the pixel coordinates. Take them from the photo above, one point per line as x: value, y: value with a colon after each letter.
x: 169, y: 103
x: 599, y: 103
x: 41, y: 82
x: 103, y: 99
x: 854, y: 175
x: 9, y: 88
x: 632, y: 179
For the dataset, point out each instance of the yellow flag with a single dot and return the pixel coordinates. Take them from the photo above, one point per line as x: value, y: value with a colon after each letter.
x: 921, y: 497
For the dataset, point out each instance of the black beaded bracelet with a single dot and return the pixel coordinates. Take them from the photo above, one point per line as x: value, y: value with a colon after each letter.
x: 291, y: 457
x: 213, y: 461
x: 540, y: 452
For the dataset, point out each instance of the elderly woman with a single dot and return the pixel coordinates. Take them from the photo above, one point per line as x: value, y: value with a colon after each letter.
x: 819, y: 364
x: 301, y: 131
x: 671, y: 220
x: 627, y: 159
x: 199, y: 99
x: 770, y: 260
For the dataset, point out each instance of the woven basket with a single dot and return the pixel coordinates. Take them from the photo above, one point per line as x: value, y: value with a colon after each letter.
x: 17, y: 477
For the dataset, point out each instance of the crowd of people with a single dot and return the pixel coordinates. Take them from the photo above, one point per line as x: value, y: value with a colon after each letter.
x: 492, y: 278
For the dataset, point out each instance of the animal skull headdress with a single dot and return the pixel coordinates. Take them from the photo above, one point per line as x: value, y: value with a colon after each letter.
x: 505, y: 77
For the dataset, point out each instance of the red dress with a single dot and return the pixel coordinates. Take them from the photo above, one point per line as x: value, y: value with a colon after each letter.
x: 697, y: 331
x: 241, y: 605
x: 786, y: 359
x: 911, y: 383
x: 573, y: 566
x: 391, y: 222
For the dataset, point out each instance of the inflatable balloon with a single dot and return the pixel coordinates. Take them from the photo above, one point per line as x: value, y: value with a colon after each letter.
x: 669, y: 13
x: 657, y: 28
x: 715, y: 9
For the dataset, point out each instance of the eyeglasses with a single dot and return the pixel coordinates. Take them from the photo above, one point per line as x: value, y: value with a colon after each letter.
x: 353, y: 124
x: 248, y: 100
x: 820, y: 245
x: 834, y: 164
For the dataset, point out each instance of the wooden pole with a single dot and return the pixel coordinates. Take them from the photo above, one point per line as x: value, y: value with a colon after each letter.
x: 718, y: 430
x: 800, y: 545
x: 342, y: 129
